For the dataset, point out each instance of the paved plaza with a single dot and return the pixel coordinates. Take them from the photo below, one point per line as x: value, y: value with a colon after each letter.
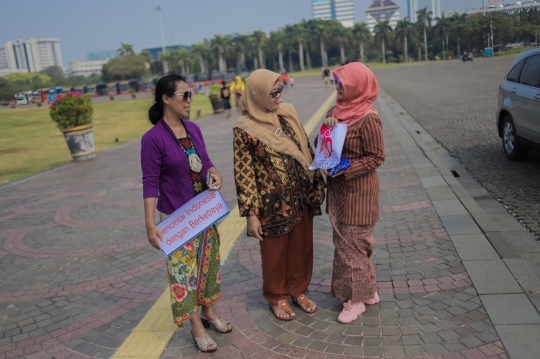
x: 78, y: 275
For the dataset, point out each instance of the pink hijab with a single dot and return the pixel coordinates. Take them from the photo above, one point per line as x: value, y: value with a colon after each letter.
x: 360, y: 89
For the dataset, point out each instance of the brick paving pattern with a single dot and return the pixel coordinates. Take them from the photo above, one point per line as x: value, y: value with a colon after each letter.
x: 456, y: 103
x: 78, y: 275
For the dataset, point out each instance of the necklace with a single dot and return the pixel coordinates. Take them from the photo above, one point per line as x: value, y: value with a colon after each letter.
x: 195, y: 163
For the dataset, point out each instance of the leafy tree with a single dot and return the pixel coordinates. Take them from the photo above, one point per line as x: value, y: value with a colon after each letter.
x: 403, y: 28
x: 125, y: 50
x: 259, y: 37
x: 199, y: 51
x: 124, y: 67
x: 53, y: 71
x: 443, y: 26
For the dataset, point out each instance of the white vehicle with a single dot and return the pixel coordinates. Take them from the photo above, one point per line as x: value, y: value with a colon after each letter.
x: 21, y: 99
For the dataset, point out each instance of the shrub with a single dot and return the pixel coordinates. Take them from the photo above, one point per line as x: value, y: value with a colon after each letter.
x: 71, y: 110
x: 215, y: 92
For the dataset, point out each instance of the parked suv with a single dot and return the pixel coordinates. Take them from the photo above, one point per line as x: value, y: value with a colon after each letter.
x: 518, y: 115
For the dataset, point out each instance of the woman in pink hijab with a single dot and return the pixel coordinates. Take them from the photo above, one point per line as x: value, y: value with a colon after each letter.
x: 353, y: 194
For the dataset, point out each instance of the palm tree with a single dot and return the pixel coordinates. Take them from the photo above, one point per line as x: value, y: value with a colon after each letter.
x: 362, y: 34
x: 221, y: 45
x: 402, y: 30
x: 148, y: 58
x: 199, y: 51
x: 341, y: 35
x: 306, y: 39
x: 319, y: 31
x: 259, y: 37
x: 298, y: 33
x: 277, y: 43
x: 459, y: 23
x: 240, y: 43
x: 424, y: 22
x: 443, y: 26
x: 125, y: 49
x: 382, y: 32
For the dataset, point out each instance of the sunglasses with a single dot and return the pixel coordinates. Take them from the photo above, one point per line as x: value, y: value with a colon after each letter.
x: 336, y: 79
x: 277, y: 91
x: 186, y: 95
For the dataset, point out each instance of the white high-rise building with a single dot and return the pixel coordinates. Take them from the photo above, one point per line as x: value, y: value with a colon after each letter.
x: 32, y: 55
x: 339, y: 10
x: 432, y: 5
x: 382, y: 10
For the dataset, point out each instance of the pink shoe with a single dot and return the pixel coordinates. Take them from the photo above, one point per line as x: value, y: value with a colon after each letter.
x: 351, y: 311
x: 375, y: 300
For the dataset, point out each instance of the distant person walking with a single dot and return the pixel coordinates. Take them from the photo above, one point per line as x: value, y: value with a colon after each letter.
x: 174, y: 165
x: 226, y: 96
x: 277, y: 193
x: 353, y: 194
x: 238, y: 88
x: 291, y: 81
x: 326, y: 76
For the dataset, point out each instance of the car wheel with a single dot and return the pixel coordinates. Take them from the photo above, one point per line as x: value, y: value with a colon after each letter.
x: 513, y: 150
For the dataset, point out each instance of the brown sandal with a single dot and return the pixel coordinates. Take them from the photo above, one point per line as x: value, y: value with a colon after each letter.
x: 283, y: 306
x: 305, y: 303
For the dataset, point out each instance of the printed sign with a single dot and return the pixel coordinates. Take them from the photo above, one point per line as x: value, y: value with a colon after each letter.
x: 329, y: 146
x: 191, y: 219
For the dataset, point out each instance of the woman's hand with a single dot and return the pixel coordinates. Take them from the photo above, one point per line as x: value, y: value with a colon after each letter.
x: 320, y: 194
x: 216, y: 179
x: 325, y: 172
x: 153, y: 234
x: 331, y: 121
x: 254, y: 228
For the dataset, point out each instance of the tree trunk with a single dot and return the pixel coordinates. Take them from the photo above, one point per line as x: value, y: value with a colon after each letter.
x: 458, y: 47
x: 183, y: 68
x: 405, y: 48
x: 224, y: 65
x: 443, y: 51
x: 419, y: 54
x: 281, y: 67
x: 290, y: 62
x: 342, y: 52
x: 255, y: 64
x: 301, y: 54
x: 261, y: 62
x: 447, y: 44
x: 383, y: 51
x: 425, y: 44
x: 242, y: 62
x: 308, y: 58
x: 321, y: 42
x: 361, y: 50
x: 201, y: 63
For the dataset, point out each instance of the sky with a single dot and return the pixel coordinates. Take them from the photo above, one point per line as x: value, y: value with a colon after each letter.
x: 97, y: 25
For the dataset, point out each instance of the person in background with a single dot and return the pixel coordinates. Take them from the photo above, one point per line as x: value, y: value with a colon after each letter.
x: 291, y: 81
x: 353, y: 194
x: 226, y: 96
x: 326, y: 76
x: 174, y: 165
x: 285, y: 79
x: 277, y: 192
x: 238, y: 88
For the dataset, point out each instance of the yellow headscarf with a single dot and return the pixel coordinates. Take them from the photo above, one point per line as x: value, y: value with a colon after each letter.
x: 254, y: 104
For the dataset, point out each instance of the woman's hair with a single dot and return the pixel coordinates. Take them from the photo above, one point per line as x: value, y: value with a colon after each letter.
x: 165, y: 86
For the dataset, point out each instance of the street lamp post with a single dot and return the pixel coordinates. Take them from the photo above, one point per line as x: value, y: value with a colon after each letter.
x: 165, y: 65
x: 491, y: 26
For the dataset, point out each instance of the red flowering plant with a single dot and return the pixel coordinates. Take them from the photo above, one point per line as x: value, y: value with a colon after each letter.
x: 71, y: 110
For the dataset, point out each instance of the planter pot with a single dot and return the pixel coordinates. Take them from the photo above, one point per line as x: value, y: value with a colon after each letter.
x: 218, y: 105
x: 133, y: 95
x: 80, y: 141
x: 112, y: 98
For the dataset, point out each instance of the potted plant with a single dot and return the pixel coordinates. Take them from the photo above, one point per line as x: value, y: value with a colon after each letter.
x: 12, y: 104
x: 39, y: 102
x: 73, y: 116
x: 111, y: 97
x: 133, y: 93
x: 214, y: 94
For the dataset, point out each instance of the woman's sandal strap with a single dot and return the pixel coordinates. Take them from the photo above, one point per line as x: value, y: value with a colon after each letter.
x: 204, y: 343
x: 305, y: 303
x: 283, y: 306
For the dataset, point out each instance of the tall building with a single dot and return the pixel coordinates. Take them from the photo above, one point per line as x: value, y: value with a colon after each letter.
x: 414, y: 5
x: 339, y: 10
x: 85, y: 67
x: 382, y: 10
x: 32, y: 55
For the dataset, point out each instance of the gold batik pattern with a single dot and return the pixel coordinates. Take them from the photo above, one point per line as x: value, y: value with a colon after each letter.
x: 272, y: 185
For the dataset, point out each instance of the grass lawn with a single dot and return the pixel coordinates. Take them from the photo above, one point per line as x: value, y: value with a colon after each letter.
x: 30, y: 141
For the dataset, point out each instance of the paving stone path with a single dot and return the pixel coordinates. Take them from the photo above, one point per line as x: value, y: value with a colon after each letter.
x: 78, y: 275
